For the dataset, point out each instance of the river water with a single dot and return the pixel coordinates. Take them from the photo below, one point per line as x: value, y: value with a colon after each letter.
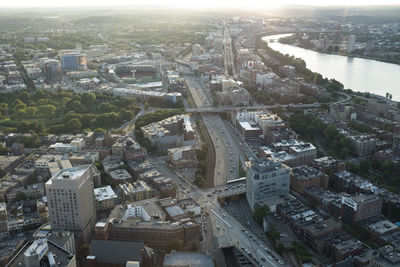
x: 358, y: 74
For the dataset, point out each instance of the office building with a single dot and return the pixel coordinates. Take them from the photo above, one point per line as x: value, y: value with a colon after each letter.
x: 197, y: 50
x: 360, y: 207
x: 364, y: 144
x: 218, y: 45
x: 71, y: 201
x: 52, y: 71
x: 3, y: 221
x: 266, y: 179
x: 73, y: 61
x: 351, y: 43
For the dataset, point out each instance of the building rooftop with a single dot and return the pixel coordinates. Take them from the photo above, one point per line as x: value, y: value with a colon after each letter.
x: 348, y: 246
x: 104, y: 193
x: 306, y: 172
x: 63, y: 257
x: 149, y: 205
x: 70, y: 174
x: 120, y: 174
x: 116, y: 252
x: 382, y: 227
x: 132, y: 188
x: 191, y: 259
x: 174, y: 211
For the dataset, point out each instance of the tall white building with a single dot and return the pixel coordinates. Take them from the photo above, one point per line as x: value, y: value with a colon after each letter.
x: 218, y: 45
x: 266, y: 179
x: 351, y: 43
x: 71, y: 201
x: 197, y: 50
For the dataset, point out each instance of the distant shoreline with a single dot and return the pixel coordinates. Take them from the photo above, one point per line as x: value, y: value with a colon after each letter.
x: 382, y: 97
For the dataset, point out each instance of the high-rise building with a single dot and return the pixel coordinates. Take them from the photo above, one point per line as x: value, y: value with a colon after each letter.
x: 209, y: 42
x: 73, y: 62
x: 52, y: 71
x: 351, y: 43
x: 197, y: 50
x: 4, y: 231
x: 266, y: 179
x: 71, y: 201
x: 218, y: 45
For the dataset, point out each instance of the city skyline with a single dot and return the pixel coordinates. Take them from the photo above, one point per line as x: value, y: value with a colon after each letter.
x: 207, y: 4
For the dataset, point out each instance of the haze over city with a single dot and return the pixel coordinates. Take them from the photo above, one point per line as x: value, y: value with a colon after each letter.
x: 233, y: 4
x: 199, y: 133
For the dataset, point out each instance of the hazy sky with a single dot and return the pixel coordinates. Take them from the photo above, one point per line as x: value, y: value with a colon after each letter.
x: 193, y: 3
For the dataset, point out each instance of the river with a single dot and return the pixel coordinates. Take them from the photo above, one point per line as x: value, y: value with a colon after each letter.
x: 358, y: 74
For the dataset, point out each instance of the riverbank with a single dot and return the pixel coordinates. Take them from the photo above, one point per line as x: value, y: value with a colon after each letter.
x: 359, y: 74
x: 345, y: 55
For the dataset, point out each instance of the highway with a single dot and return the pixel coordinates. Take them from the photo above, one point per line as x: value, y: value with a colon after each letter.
x: 229, y: 64
x: 226, y: 153
x: 226, y: 156
x: 230, y: 232
x: 230, y: 108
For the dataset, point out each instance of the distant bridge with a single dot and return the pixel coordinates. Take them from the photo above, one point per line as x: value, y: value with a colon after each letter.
x: 230, y: 108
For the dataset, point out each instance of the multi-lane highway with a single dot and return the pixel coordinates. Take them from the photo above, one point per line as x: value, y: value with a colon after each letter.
x: 226, y: 156
x: 230, y: 232
x: 226, y: 152
x: 229, y: 62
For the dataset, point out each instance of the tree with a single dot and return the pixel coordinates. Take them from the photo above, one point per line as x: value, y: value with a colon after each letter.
x: 3, y: 150
x: 31, y: 112
x: 4, y: 108
x: 23, y: 127
x: 194, y: 247
x: 175, y: 244
x: 106, y: 107
x: 20, y: 114
x: 344, y: 152
x: 365, y: 165
x: 88, y: 99
x: 125, y: 115
x: 146, y: 106
x: 46, y: 111
x: 20, y: 196
x: 330, y: 132
x: 259, y: 214
x: 82, y: 253
x: 73, y: 125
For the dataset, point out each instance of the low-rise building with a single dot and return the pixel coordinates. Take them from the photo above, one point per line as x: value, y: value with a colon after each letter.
x: 147, y: 224
x: 120, y: 176
x: 328, y: 163
x: 136, y: 191
x: 183, y: 259
x: 33, y: 191
x: 120, y: 253
x: 304, y: 176
x: 42, y: 251
x: 8, y: 163
x: 386, y: 256
x: 360, y: 207
x: 105, y: 198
